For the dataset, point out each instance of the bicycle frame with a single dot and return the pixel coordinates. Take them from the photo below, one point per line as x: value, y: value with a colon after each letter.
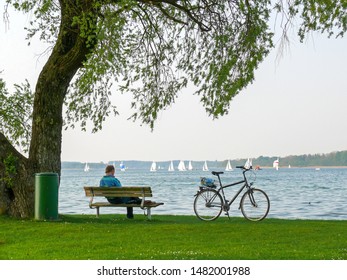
x: 246, y: 185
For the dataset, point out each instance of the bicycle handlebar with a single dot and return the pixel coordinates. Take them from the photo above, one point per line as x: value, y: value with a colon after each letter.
x: 244, y: 168
x: 217, y: 173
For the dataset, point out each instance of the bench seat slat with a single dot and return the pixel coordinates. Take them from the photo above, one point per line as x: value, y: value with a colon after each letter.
x: 106, y: 204
x: 122, y: 194
x: 118, y: 192
x: 120, y: 188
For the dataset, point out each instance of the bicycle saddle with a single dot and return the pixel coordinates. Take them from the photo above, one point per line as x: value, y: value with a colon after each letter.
x: 217, y: 173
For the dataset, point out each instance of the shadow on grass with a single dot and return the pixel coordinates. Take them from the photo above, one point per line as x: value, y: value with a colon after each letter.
x: 121, y: 219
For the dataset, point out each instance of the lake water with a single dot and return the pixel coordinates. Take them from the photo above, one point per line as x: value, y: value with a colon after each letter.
x: 295, y: 193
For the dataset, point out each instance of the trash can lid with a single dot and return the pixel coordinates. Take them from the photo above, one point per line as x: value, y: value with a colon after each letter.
x: 46, y: 174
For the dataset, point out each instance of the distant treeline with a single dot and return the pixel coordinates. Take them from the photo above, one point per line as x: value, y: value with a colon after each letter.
x: 331, y: 159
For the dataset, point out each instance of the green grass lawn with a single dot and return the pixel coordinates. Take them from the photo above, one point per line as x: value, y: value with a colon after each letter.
x: 81, y: 237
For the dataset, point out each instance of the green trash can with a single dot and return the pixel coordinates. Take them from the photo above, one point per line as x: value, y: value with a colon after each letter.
x: 46, y: 196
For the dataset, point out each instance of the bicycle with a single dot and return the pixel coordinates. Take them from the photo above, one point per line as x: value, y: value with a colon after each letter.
x: 209, y: 201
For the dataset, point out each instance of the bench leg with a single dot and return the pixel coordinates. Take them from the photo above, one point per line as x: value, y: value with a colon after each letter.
x: 149, y: 213
x: 97, y: 212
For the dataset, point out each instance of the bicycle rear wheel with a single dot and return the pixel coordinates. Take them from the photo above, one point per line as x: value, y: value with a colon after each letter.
x: 255, y: 205
x: 208, y: 205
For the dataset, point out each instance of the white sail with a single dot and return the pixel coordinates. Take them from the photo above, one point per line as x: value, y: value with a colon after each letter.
x: 276, y: 163
x: 248, y: 164
x: 181, y: 166
x: 190, y: 166
x: 122, y: 166
x: 153, y: 167
x: 205, y: 167
x: 171, y: 167
x: 228, y: 167
x: 86, y: 167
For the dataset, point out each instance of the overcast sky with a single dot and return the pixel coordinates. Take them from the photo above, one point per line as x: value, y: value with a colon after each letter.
x: 296, y: 105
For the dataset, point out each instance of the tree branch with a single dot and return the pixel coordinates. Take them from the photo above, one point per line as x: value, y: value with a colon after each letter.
x: 5, y: 16
x: 184, y: 9
x: 6, y: 148
x: 170, y: 16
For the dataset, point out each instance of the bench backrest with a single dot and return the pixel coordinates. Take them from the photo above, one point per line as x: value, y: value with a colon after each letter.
x: 118, y: 191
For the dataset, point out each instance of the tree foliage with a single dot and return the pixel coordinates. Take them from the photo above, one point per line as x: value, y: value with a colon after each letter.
x: 153, y: 49
x: 325, y: 16
x: 16, y: 114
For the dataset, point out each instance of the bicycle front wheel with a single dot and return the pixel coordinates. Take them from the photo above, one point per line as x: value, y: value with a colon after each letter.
x: 208, y: 205
x: 255, y: 205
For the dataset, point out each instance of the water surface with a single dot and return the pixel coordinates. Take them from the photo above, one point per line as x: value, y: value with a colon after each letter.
x: 295, y: 193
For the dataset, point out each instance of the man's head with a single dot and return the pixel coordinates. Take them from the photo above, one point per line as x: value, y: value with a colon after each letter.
x: 110, y: 170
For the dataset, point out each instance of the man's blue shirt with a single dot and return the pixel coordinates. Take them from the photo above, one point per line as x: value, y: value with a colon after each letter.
x: 109, y: 181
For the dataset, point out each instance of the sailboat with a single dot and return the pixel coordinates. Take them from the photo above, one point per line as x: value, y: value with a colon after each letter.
x: 205, y: 167
x: 86, y: 167
x: 276, y: 163
x: 122, y: 166
x: 228, y: 167
x: 181, y: 166
x: 171, y: 167
x: 190, y: 166
x: 248, y: 164
x: 153, y: 167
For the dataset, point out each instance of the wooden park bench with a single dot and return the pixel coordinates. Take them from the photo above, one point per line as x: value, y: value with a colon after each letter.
x: 140, y: 192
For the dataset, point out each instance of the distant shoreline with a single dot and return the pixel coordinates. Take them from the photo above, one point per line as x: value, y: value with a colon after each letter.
x: 331, y: 160
x: 212, y: 168
x: 308, y: 167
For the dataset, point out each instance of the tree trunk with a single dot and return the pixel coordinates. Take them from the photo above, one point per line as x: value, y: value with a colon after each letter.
x: 17, y: 192
x: 16, y: 183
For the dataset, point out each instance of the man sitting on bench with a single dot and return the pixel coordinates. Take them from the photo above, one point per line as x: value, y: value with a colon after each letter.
x: 109, y: 180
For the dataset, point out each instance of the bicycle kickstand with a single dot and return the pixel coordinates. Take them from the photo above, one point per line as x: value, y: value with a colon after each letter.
x: 226, y: 208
